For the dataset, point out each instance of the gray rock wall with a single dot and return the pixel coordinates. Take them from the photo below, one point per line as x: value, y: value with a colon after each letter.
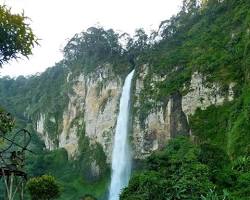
x: 94, y: 102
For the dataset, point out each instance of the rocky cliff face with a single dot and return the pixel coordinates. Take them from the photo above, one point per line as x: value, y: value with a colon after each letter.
x: 93, y: 107
x: 202, y: 94
x: 162, y: 123
x: 170, y: 118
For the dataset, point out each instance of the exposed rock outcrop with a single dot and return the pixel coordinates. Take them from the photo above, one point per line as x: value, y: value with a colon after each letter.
x: 93, y: 106
x: 101, y: 107
x: 43, y: 133
x: 161, y: 124
x: 202, y: 94
x: 170, y: 119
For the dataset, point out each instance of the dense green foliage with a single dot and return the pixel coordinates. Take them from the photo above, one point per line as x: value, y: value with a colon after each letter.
x: 198, y: 38
x: 184, y: 170
x: 226, y: 126
x: 201, y: 38
x: 26, y: 98
x: 6, y: 122
x: 213, y: 39
x: 46, y: 96
x: 88, y: 197
x: 94, y: 48
x: 174, y: 173
x: 43, y: 188
x: 17, y: 38
x: 74, y: 176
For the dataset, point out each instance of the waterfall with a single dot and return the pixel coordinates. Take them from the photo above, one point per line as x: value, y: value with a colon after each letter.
x: 121, y: 156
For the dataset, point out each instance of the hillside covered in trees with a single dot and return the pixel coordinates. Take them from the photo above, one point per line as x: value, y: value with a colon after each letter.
x: 211, y: 38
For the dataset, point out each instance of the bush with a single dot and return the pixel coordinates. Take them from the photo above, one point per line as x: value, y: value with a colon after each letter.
x: 88, y: 197
x: 43, y: 188
x: 174, y: 173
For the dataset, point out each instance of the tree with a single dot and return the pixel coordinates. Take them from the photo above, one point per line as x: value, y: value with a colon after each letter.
x: 16, y: 36
x: 189, y: 5
x: 88, y: 197
x: 43, y: 188
x: 16, y: 39
x: 137, y: 45
x: 93, y: 47
x: 6, y: 122
x: 173, y: 174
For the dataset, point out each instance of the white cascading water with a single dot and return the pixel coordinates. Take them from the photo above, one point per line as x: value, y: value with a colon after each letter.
x: 121, y: 155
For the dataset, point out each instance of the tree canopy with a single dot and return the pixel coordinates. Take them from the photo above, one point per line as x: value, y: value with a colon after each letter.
x: 184, y: 170
x: 6, y: 121
x: 172, y: 174
x: 16, y: 39
x: 93, y: 47
x: 16, y: 36
x: 43, y: 188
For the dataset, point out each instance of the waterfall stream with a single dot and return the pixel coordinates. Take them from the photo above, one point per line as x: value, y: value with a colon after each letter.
x: 121, y: 155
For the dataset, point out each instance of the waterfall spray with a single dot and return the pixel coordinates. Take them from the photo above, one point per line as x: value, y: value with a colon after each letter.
x: 121, y: 155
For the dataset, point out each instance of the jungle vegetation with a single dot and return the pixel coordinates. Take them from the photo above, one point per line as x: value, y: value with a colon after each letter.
x: 210, y: 37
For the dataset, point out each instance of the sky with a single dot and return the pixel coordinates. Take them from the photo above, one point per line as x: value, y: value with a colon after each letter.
x: 54, y: 22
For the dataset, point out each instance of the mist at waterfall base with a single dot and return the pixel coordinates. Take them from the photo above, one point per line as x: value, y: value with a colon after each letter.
x: 121, y: 155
